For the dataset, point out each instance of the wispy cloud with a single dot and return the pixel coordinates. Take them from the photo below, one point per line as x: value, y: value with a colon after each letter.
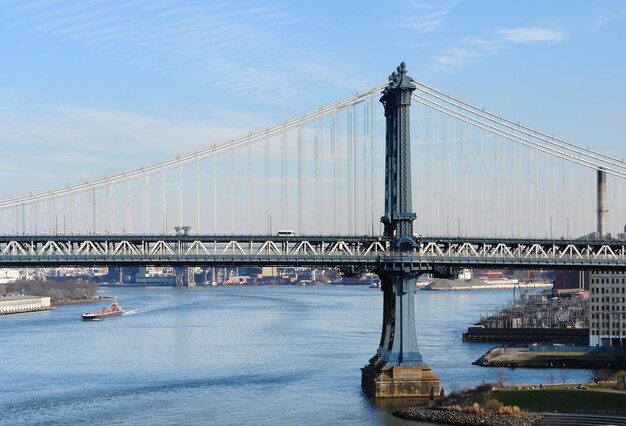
x: 85, y: 141
x: 473, y: 49
x: 27, y: 173
x: 532, y: 35
x: 240, y: 50
x: 427, y: 17
x: 452, y: 58
x: 606, y: 19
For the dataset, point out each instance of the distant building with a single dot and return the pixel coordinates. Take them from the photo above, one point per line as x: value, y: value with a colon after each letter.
x: 155, y: 275
x: 9, y: 275
x: 571, y: 279
x: 21, y: 304
x: 607, y: 324
x: 269, y: 271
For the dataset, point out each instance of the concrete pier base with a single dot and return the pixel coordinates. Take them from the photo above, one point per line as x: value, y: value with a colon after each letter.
x: 382, y: 381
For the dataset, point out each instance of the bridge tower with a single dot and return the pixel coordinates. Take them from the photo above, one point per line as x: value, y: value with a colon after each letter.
x: 397, y: 369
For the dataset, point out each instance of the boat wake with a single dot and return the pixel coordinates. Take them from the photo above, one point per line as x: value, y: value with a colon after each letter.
x: 133, y: 312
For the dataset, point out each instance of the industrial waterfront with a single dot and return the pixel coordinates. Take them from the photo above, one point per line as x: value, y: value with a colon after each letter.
x: 232, y: 355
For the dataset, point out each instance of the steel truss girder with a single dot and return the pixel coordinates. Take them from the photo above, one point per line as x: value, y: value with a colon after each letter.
x: 363, y: 251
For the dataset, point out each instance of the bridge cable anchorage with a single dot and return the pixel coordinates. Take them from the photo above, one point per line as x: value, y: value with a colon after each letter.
x: 211, y: 151
x: 517, y: 125
x: 518, y: 139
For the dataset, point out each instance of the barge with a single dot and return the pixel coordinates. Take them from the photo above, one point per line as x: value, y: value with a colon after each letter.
x: 114, y: 311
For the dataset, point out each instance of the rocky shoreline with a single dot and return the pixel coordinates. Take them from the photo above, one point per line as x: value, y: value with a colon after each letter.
x: 424, y: 414
x: 523, y: 358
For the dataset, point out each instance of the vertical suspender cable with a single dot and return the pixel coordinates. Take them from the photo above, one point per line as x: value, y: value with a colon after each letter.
x: 467, y: 174
x: 446, y: 196
x: 564, y: 212
x: 554, y: 189
x: 570, y: 198
x: 536, y: 166
x: 364, y: 202
x: 483, y: 181
x: 300, y: 166
x: 32, y: 224
x: 333, y: 153
x: 518, y: 186
x: 146, y: 205
x: 355, y: 167
x: 348, y: 173
x: 373, y: 179
x: 23, y: 219
x: 349, y: 169
x: 232, y: 190
x: 127, y: 208
x: 266, y: 171
x: 180, y: 195
x: 436, y: 172
x: 79, y: 214
x: 111, y: 225
x: 46, y: 209
x: 163, y: 212
x: 283, y: 177
x: 318, y: 131
x: 341, y: 225
x: 93, y: 210
x: 197, y: 195
x: 513, y: 201
x: 214, y: 195
x: 454, y: 156
x: 495, y: 184
x: 545, y: 190
x: 249, y: 186
x: 530, y: 193
x: 620, y: 191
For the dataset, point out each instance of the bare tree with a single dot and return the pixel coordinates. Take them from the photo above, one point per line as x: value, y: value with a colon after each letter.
x: 501, y: 378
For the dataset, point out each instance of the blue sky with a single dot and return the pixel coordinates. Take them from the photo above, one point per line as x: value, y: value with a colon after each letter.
x: 95, y: 87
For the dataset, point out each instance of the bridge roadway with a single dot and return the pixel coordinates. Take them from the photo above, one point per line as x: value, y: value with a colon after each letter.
x: 364, y: 252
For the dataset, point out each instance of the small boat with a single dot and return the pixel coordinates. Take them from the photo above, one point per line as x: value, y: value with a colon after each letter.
x: 114, y: 311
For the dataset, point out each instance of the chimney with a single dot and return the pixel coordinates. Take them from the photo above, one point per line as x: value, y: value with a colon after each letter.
x: 601, y: 204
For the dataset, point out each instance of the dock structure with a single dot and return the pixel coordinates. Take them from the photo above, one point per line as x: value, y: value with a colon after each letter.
x: 535, y: 318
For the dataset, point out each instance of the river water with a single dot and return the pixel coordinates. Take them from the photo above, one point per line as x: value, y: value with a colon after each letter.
x: 247, y: 355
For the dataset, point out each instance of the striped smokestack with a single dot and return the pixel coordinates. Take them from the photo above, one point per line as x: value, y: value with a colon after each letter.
x: 601, y: 204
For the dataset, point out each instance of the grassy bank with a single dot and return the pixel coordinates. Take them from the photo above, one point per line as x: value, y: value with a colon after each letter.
x: 564, y: 400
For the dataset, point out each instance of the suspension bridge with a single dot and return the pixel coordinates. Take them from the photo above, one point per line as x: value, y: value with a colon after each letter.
x: 491, y: 192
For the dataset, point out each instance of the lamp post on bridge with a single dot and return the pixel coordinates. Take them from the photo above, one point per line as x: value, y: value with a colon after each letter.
x: 397, y: 369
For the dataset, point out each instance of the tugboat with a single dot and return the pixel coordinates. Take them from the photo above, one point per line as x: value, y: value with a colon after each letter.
x: 114, y: 311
